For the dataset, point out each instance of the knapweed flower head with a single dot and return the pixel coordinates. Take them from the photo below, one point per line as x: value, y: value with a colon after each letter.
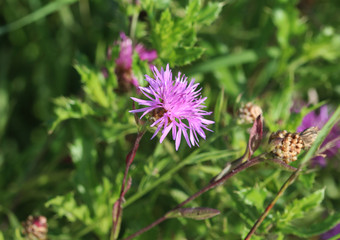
x: 123, y: 69
x: 331, y: 144
x: 174, y: 105
x: 35, y: 228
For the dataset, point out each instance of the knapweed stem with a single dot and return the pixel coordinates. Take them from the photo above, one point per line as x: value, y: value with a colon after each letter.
x: 117, y: 208
x: 212, y: 184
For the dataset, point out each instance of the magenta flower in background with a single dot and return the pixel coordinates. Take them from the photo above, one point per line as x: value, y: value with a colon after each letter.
x: 145, y: 54
x: 123, y: 69
x: 174, y: 105
x: 331, y: 233
x: 331, y: 144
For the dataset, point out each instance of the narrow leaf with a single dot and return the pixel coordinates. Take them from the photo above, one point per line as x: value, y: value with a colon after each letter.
x: 199, y: 213
x: 35, y: 16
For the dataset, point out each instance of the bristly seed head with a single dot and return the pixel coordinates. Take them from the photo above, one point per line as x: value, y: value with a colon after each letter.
x: 287, y: 146
x: 249, y: 112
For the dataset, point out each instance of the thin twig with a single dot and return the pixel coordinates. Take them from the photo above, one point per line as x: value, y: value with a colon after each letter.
x: 211, y: 185
x: 289, y: 181
x: 129, y: 159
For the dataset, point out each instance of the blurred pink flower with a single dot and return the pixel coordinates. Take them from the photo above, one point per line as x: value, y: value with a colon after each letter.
x: 331, y: 144
x: 123, y: 69
x: 331, y: 233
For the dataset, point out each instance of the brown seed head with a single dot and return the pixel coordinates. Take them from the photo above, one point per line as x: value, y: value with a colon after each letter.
x: 249, y: 112
x: 286, y: 145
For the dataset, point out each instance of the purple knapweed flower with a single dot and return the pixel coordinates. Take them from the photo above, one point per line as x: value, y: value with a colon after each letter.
x: 331, y: 144
x: 174, y: 105
x: 123, y: 68
x: 331, y: 233
x: 145, y: 54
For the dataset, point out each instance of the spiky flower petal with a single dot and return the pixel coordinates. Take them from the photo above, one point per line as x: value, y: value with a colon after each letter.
x: 174, y: 105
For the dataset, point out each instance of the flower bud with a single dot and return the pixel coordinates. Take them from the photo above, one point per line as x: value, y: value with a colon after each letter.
x: 249, y: 112
x: 35, y: 228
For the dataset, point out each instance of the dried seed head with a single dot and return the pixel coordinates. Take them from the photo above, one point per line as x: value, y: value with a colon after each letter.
x: 35, y: 228
x: 249, y: 112
x: 308, y: 136
x: 286, y: 145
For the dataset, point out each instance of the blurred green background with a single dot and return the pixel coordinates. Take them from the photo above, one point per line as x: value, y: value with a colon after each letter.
x: 272, y: 51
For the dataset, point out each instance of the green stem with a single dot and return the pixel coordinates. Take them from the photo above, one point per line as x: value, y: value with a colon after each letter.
x: 321, y: 137
x: 211, y: 185
x: 169, y: 174
x: 134, y: 21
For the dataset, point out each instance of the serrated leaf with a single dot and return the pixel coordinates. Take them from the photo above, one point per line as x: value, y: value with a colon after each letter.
x: 185, y: 55
x: 298, y: 207
x: 307, y: 180
x: 69, y: 108
x: 247, y: 213
x: 313, y: 229
x: 66, y: 206
x: 209, y: 13
x: 199, y: 213
x: 92, y: 85
x: 192, y: 9
x: 253, y: 197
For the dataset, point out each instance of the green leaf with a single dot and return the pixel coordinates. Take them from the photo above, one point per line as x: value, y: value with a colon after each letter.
x: 231, y: 59
x: 245, y: 209
x: 299, y: 207
x: 313, y: 229
x: 184, y: 55
x: 192, y: 10
x: 202, y: 16
x: 253, y: 196
x: 36, y: 15
x: 66, y: 206
x: 199, y: 213
x: 220, y: 105
x: 209, y: 14
x: 94, y: 83
x: 18, y: 235
x: 307, y: 180
x: 69, y: 108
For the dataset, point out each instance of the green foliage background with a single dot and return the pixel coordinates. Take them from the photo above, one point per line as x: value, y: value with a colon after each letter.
x: 65, y: 133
